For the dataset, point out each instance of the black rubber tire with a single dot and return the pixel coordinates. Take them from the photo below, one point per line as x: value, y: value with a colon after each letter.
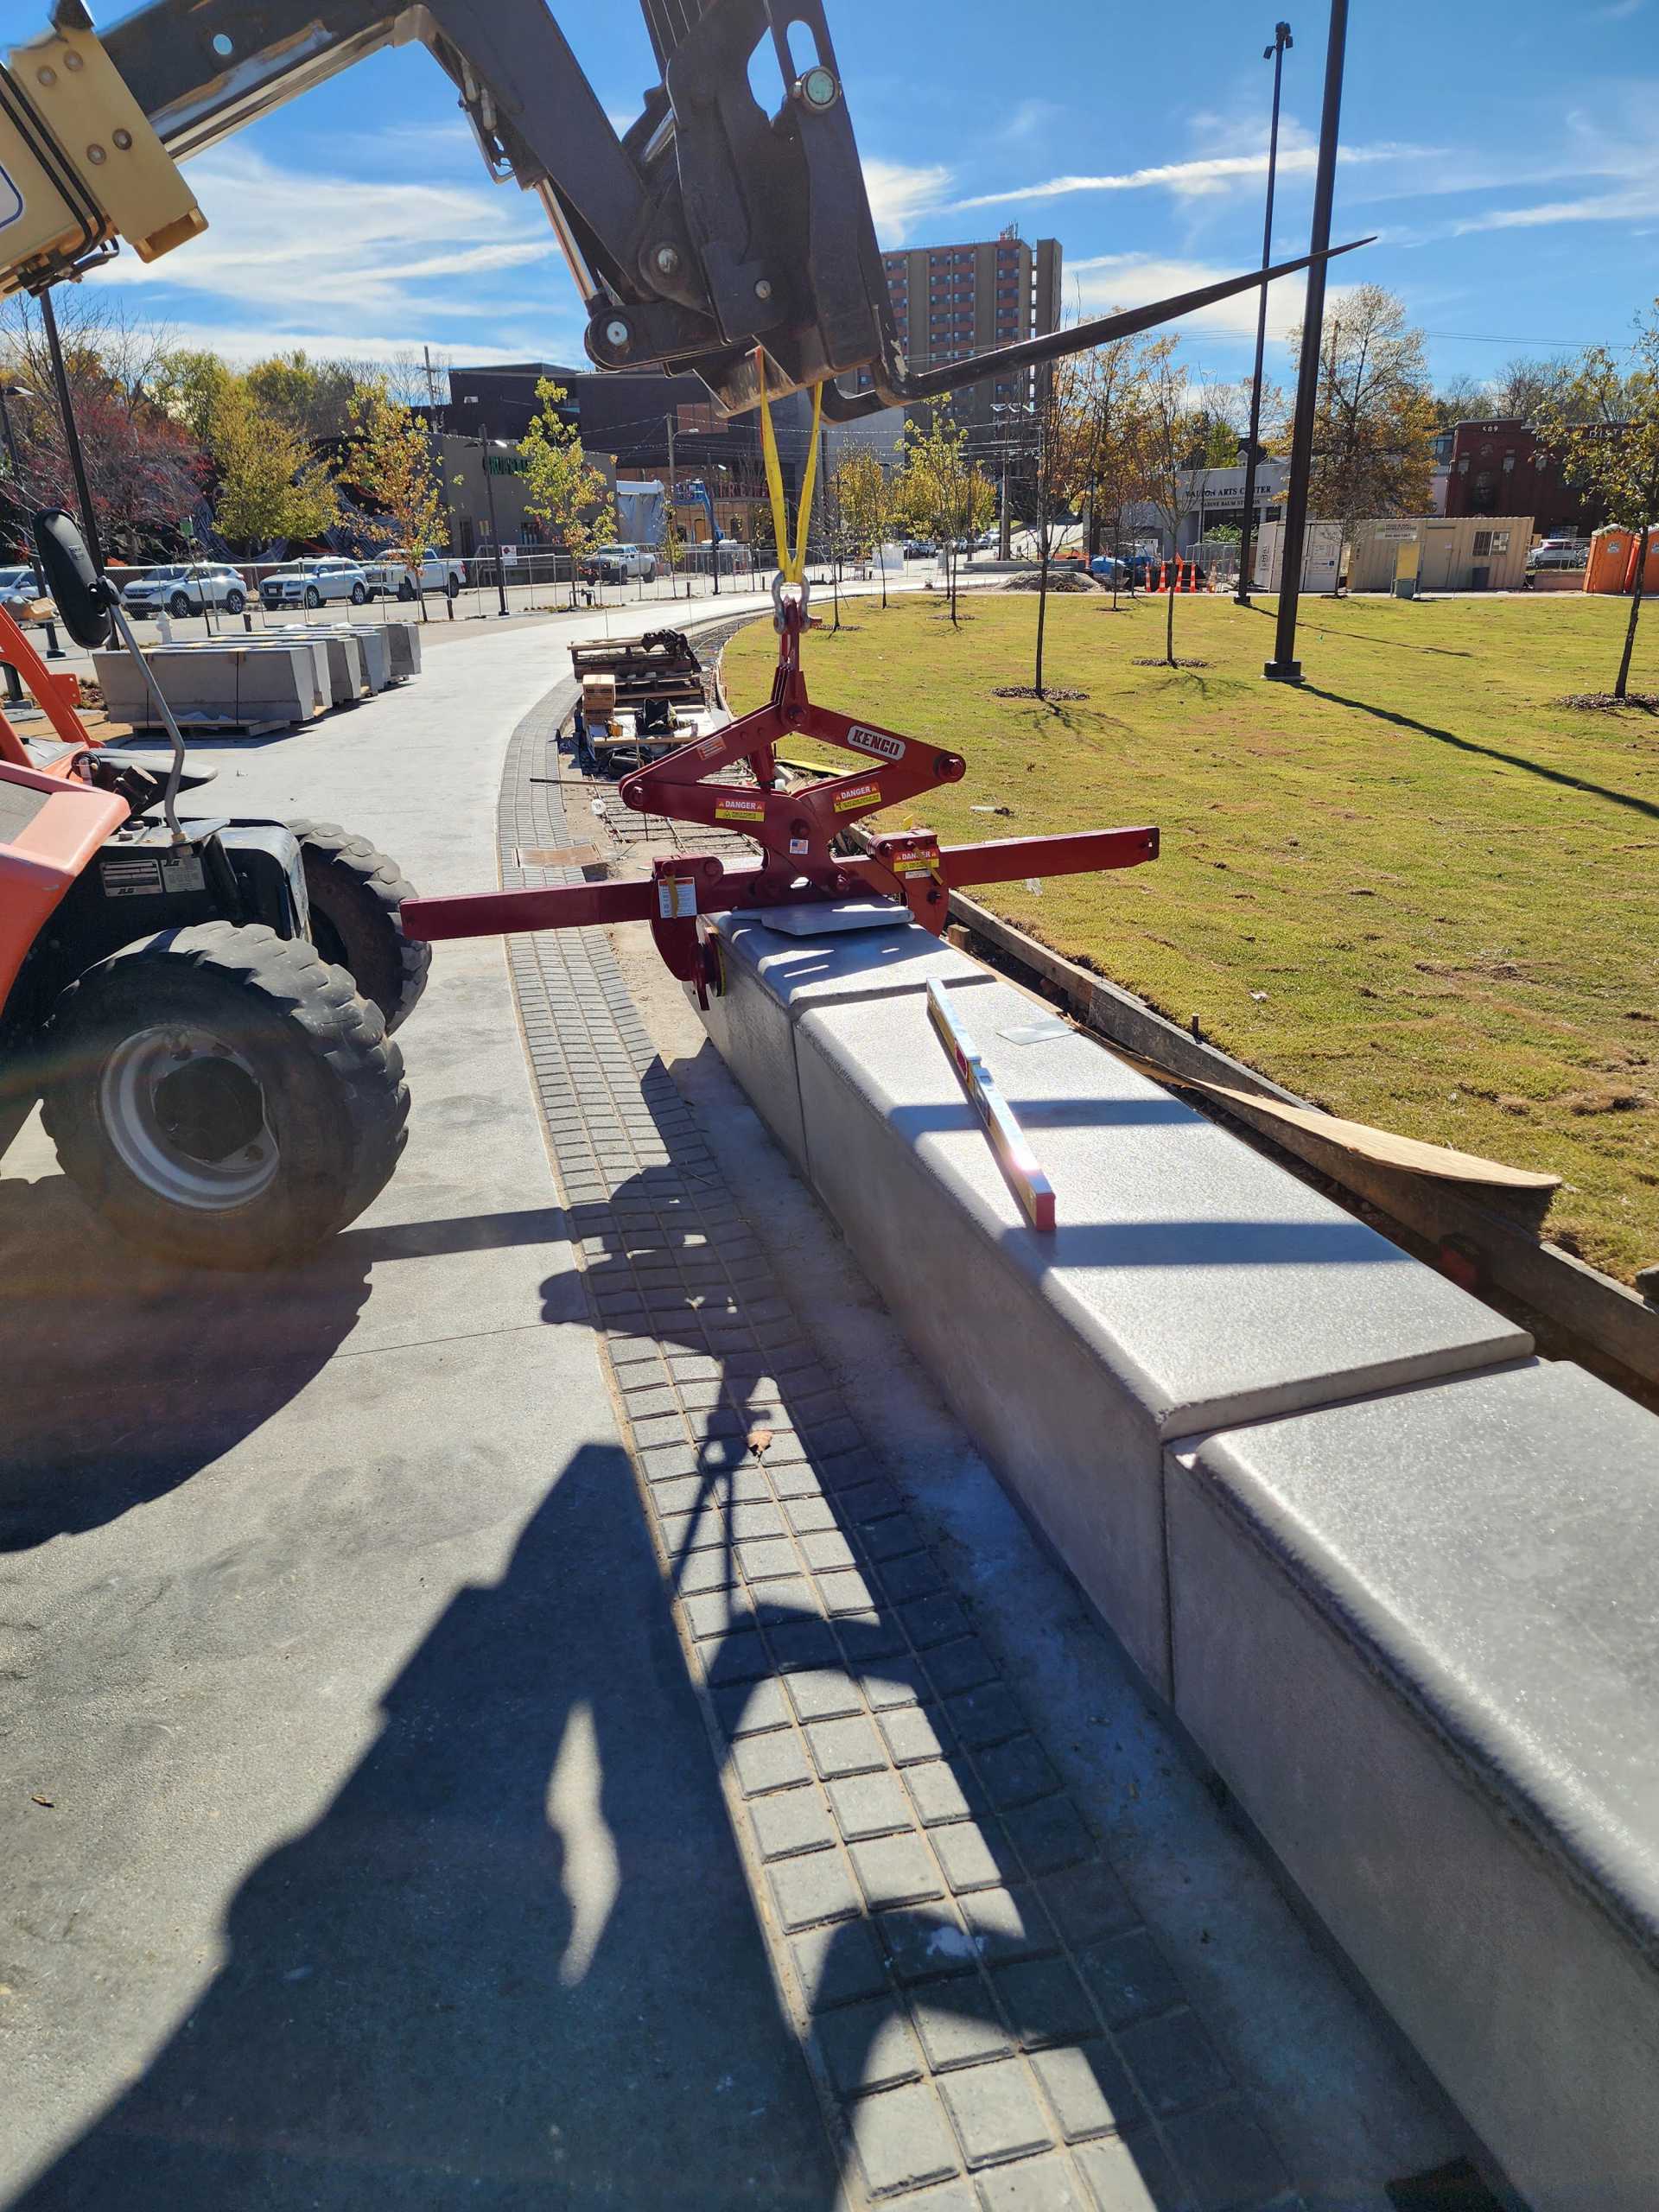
x: 406, y: 589
x: 313, y: 596
x: 360, y: 594
x: 332, y: 1082
x: 357, y: 897
x: 234, y: 602
x: 451, y: 588
x: 178, y: 607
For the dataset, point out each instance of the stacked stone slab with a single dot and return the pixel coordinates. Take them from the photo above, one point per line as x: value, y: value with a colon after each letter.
x: 283, y: 682
x: 346, y: 651
x: 1398, y: 1579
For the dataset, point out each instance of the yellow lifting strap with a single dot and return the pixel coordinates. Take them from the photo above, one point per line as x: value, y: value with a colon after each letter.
x: 792, y: 565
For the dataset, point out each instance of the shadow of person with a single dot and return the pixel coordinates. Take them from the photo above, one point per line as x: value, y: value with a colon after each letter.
x: 513, y: 1963
x: 123, y: 1375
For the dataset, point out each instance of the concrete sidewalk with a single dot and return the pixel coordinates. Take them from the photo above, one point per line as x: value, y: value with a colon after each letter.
x: 362, y: 1845
x: 383, y: 1862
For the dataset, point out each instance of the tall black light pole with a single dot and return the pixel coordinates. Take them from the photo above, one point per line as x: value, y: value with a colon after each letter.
x: 485, y: 443
x: 71, y: 433
x: 54, y: 650
x: 1284, y: 667
x: 1282, y: 42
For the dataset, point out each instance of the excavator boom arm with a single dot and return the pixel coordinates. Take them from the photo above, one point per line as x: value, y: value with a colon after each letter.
x: 710, y: 228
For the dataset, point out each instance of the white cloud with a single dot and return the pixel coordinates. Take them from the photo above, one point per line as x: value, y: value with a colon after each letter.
x: 243, y: 343
x: 900, y: 193
x: 1107, y: 280
x: 1195, y: 179
x: 342, y: 255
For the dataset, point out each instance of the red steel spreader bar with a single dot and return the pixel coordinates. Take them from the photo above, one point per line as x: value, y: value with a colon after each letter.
x: 797, y: 831
x: 717, y: 889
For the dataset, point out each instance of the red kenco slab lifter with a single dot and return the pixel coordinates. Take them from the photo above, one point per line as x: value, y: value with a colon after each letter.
x: 795, y: 829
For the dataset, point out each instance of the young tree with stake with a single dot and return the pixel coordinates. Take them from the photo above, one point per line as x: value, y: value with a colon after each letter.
x: 393, y: 460
x: 1169, y: 480
x: 565, y: 491
x: 1603, y: 424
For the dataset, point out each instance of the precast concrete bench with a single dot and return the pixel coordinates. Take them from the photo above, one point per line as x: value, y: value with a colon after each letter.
x: 1398, y: 1578
x: 1418, y: 1636
x: 348, y: 679
x: 1191, y: 1281
x: 402, y: 650
x: 281, y: 682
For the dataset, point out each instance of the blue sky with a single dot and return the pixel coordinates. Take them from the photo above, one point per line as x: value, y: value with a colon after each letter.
x: 1507, y: 151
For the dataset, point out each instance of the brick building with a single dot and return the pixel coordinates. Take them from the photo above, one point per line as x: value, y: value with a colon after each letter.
x: 950, y: 301
x: 1497, y: 469
x: 622, y: 418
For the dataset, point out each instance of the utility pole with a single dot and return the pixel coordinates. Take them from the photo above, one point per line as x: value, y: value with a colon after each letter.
x: 668, y: 514
x: 1275, y: 53
x: 495, y: 535
x: 1284, y: 667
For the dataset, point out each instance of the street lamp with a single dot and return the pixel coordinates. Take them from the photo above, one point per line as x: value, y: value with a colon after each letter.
x: 1275, y: 53
x: 1007, y: 407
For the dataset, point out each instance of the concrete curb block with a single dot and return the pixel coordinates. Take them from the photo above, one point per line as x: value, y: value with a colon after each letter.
x: 1194, y: 1286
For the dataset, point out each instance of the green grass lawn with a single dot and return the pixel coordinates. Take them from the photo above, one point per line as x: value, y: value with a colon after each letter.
x: 1417, y: 890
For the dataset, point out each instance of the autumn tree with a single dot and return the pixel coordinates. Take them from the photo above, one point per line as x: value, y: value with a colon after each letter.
x: 393, y: 461
x: 313, y: 397
x: 1603, y: 426
x: 1374, y: 418
x: 1060, y: 445
x: 1169, y: 481
x: 271, y: 485
x: 864, y: 495
x: 1462, y: 398
x: 939, y: 492
x: 1111, y: 405
x: 564, y: 492
x: 186, y: 385
x: 145, y: 469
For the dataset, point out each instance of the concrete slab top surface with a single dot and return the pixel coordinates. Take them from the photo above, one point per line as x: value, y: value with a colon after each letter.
x: 1493, y: 1544
x: 1222, y: 1285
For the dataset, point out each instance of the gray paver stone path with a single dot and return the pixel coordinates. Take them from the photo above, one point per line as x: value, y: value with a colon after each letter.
x: 987, y: 2019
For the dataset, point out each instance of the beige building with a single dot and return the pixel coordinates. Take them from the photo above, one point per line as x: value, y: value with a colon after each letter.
x: 1455, y: 553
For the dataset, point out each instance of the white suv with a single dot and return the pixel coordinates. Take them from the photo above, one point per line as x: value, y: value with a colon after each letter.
x: 622, y: 564
x: 308, y: 584
x: 185, y: 588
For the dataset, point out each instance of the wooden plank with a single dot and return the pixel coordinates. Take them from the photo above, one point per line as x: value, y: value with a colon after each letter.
x: 1490, y: 1238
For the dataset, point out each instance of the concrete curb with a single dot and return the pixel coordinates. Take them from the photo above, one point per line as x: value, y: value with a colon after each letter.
x: 1194, y: 1287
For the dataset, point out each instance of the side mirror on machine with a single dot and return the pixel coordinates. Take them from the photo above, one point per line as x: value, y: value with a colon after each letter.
x: 81, y: 594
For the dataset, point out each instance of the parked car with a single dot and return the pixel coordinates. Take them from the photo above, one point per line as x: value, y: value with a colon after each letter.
x: 919, y: 548
x: 619, y: 564
x: 1558, y: 553
x: 185, y: 587
x: 18, y: 591
x: 389, y: 572
x: 308, y: 584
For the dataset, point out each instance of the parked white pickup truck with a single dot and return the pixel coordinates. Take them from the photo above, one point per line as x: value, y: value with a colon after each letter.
x: 388, y: 572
